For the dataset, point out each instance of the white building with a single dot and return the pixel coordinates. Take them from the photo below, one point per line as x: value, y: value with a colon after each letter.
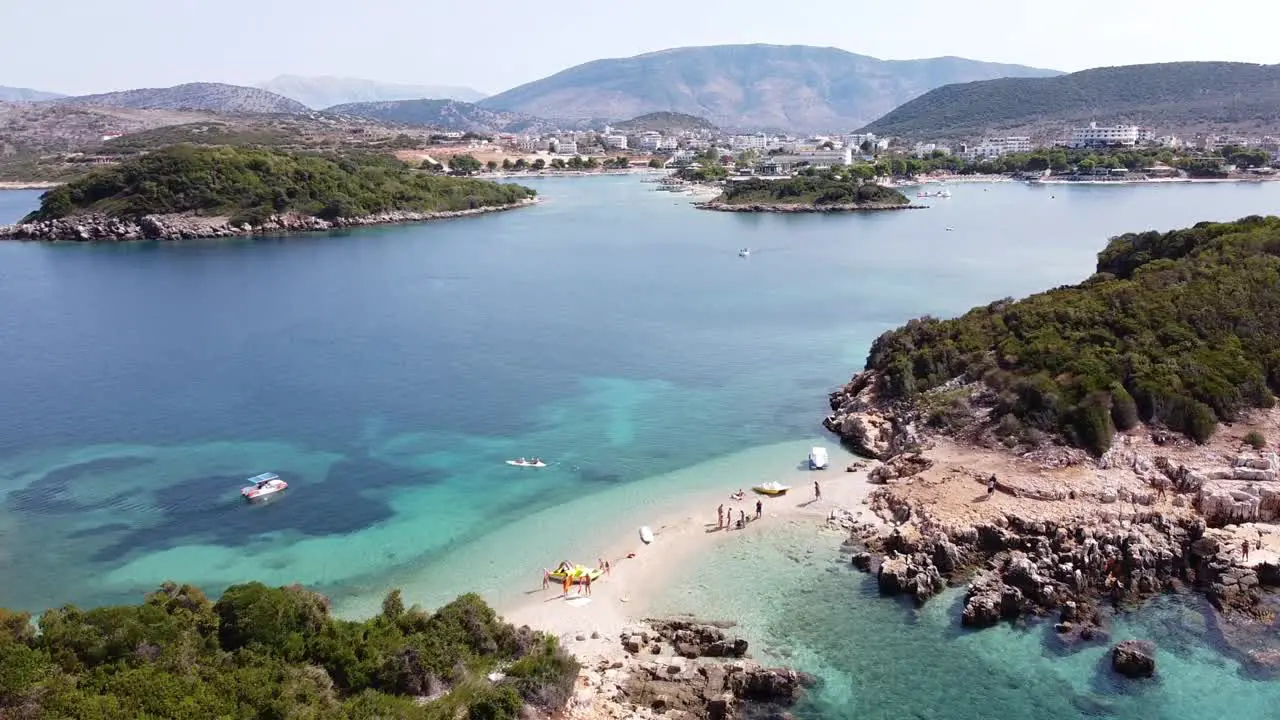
x: 651, y: 140
x: 1095, y: 136
x: 926, y: 149
x: 991, y: 148
x: 759, y: 141
x: 617, y: 142
x: 565, y: 146
x: 816, y: 159
x: 668, y: 143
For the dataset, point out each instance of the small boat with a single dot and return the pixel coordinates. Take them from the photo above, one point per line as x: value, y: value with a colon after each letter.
x: 521, y: 462
x: 773, y: 489
x: 744, y: 252
x: 263, y: 485
x: 818, y: 458
x: 646, y: 535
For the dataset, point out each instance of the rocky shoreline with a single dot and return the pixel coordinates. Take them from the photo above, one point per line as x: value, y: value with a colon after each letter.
x: 1061, y: 535
x: 103, y: 228
x: 683, y: 668
x: 800, y: 208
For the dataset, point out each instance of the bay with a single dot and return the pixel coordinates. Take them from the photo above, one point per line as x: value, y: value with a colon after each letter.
x: 387, y: 373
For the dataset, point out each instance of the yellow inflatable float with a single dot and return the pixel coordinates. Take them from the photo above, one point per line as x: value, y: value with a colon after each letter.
x: 576, y: 574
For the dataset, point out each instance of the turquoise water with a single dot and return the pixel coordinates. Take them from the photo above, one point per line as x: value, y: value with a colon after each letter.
x: 388, y: 372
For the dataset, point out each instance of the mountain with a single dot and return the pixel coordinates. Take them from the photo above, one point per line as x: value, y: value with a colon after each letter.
x: 796, y: 87
x: 15, y: 94
x: 323, y: 92
x: 668, y: 121
x: 194, y: 96
x: 1182, y: 97
x: 445, y: 114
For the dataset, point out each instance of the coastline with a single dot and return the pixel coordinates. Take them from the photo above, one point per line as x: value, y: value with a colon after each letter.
x: 101, y: 228
x: 28, y: 184
x: 800, y: 208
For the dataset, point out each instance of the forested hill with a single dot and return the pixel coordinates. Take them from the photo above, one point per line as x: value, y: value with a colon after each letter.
x: 261, y: 652
x: 1177, y: 98
x: 254, y: 183
x: 1180, y: 329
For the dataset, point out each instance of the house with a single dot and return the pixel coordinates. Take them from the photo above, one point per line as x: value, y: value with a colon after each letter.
x: 1104, y: 136
x: 783, y: 164
x: 616, y: 142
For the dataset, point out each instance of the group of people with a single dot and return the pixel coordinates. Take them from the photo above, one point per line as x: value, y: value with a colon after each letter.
x: 570, y: 577
x: 724, y: 520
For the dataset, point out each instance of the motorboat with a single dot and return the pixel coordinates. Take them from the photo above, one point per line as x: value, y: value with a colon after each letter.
x: 818, y: 458
x: 263, y: 485
x: 521, y: 462
x: 772, y: 488
x: 744, y: 252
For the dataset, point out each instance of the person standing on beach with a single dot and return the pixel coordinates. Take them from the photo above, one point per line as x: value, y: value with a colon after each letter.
x: 568, y: 582
x: 586, y: 583
x: 991, y: 486
x: 1245, y: 548
x: 817, y: 491
x: 742, y: 518
x: 720, y: 517
x: 759, y: 509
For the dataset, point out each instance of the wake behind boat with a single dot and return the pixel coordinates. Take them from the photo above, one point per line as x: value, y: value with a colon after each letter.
x: 521, y: 462
x: 263, y: 485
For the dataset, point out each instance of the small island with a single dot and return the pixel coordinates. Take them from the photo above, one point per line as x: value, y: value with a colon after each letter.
x: 185, y: 191
x: 830, y: 192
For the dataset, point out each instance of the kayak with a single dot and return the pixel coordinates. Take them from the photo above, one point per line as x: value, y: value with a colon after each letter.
x: 526, y: 463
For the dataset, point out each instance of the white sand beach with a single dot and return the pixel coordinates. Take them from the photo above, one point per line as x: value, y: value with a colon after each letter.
x: 641, y: 572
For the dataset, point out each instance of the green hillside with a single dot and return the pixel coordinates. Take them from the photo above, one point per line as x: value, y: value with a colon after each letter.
x: 1180, y: 329
x: 1171, y: 97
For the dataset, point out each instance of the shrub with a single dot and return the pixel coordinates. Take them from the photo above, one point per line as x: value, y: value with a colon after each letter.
x: 545, y: 679
x: 277, y: 619
x: 1092, y: 425
x: 1255, y: 440
x: 498, y: 703
x: 1124, y: 411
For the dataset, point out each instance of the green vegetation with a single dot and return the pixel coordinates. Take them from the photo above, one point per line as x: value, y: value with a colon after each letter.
x: 1255, y: 440
x: 250, y: 185
x: 664, y: 122
x: 264, y: 652
x: 1181, y: 97
x: 1180, y: 329
x: 816, y: 189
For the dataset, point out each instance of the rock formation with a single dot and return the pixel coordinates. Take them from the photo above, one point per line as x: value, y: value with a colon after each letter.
x: 864, y: 425
x: 102, y: 228
x: 1134, y: 658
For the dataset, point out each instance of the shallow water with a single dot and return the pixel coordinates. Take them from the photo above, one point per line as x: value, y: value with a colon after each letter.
x: 387, y: 373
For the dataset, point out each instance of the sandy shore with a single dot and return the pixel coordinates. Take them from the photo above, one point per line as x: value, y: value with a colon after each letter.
x: 27, y: 185
x: 625, y: 595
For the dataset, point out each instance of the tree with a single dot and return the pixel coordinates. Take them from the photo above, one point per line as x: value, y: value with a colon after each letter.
x: 866, y: 147
x: 464, y: 164
x: 539, y: 164
x: 656, y: 164
x: 492, y: 165
x: 507, y: 164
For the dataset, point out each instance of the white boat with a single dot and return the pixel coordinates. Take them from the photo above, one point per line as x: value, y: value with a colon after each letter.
x: 744, y: 252
x: 646, y: 535
x: 263, y: 485
x: 527, y: 463
x: 772, y: 488
x: 818, y: 458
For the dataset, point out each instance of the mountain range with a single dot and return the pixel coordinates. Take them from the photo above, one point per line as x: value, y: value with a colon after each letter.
x: 790, y: 87
x: 16, y: 94
x: 326, y: 91
x: 1179, y: 98
x: 217, y: 97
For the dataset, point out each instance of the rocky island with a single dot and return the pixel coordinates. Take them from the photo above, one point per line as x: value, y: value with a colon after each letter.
x: 185, y: 191
x: 1085, y: 448
x: 829, y: 192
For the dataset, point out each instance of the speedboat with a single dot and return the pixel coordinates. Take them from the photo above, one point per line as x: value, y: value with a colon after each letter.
x: 772, y: 488
x: 263, y: 485
x: 744, y: 252
x: 527, y: 463
x: 818, y: 458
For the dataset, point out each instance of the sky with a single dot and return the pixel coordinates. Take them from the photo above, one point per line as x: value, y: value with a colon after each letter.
x: 86, y: 46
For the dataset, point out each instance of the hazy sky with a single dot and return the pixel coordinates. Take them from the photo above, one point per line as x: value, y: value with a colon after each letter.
x: 82, y: 46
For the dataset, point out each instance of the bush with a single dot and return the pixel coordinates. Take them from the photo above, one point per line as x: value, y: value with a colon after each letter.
x: 1255, y: 440
x: 1124, y: 411
x: 499, y: 703
x: 276, y: 619
x: 545, y: 679
x: 1092, y: 425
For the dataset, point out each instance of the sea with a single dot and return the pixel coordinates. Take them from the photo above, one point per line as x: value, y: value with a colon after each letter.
x: 612, y: 330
